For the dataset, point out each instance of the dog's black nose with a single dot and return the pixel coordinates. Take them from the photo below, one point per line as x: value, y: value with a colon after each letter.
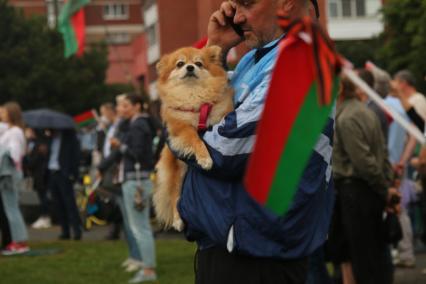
x: 190, y: 68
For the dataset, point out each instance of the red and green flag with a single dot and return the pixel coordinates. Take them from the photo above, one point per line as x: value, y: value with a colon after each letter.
x: 72, y: 25
x: 85, y: 119
x: 301, y: 96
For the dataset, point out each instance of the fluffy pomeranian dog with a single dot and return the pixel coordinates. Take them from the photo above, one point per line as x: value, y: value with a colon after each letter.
x: 189, y: 80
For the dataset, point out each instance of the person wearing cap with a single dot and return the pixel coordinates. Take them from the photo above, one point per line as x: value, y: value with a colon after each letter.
x: 238, y: 240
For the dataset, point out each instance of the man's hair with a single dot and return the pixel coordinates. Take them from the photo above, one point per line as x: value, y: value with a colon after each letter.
x: 135, y: 99
x: 347, y: 88
x: 108, y: 106
x: 367, y: 77
x: 407, y: 77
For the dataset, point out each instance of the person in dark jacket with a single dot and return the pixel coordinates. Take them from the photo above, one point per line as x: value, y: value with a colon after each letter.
x: 136, y: 155
x: 112, y: 165
x: 64, y: 157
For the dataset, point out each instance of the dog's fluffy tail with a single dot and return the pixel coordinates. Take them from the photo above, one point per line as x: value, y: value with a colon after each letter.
x: 167, y: 187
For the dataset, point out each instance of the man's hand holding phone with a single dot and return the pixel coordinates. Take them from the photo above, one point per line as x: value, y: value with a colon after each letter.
x: 221, y: 30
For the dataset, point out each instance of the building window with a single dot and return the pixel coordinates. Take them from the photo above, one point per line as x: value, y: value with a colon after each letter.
x: 118, y: 38
x: 116, y: 11
x: 353, y: 8
x: 151, y: 33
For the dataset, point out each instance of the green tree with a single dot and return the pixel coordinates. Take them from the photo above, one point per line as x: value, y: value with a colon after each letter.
x: 359, y: 51
x: 34, y: 72
x: 404, y: 38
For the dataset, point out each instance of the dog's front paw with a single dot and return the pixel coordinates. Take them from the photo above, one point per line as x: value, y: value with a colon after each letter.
x: 206, y: 163
x: 178, y: 224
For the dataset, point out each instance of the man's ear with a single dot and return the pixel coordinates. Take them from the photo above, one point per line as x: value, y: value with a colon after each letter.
x: 286, y: 6
x: 162, y: 63
x: 213, y: 53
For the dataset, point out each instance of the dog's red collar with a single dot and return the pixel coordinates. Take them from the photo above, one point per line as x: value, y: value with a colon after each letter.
x: 205, y: 110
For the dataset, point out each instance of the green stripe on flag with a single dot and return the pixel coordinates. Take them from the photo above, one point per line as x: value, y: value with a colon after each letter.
x: 87, y: 122
x: 65, y: 27
x: 306, y: 129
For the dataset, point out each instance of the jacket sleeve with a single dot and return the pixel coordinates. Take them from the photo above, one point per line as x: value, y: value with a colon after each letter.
x: 231, y: 142
x: 109, y: 161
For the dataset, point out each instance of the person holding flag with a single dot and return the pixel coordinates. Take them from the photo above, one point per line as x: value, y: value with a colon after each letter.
x: 240, y: 240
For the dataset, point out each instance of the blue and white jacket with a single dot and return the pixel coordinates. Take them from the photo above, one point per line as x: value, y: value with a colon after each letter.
x: 214, y: 204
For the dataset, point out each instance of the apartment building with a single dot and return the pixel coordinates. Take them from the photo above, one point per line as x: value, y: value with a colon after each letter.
x: 117, y: 22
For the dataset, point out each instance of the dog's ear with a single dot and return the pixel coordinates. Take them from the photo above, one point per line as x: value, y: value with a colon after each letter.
x: 162, y: 63
x: 214, y: 53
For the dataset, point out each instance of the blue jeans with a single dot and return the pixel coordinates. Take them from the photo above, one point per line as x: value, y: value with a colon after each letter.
x: 130, y: 239
x: 10, y: 198
x: 139, y: 222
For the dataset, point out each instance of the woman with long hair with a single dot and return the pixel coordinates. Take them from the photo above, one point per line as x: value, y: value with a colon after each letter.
x: 12, y: 143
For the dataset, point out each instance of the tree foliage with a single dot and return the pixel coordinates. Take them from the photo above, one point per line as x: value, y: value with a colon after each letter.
x: 34, y: 72
x: 359, y: 51
x: 404, y: 39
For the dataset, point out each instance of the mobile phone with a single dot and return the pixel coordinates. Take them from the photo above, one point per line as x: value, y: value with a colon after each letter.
x: 238, y: 30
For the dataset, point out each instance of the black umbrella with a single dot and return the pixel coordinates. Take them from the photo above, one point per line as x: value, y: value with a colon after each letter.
x: 48, y: 119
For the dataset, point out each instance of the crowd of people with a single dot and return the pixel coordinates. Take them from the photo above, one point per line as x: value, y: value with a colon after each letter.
x: 55, y: 159
x: 377, y: 179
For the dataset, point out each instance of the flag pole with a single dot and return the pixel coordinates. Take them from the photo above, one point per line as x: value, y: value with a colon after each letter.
x: 410, y: 128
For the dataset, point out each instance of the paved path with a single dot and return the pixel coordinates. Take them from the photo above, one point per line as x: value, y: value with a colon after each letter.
x: 414, y: 275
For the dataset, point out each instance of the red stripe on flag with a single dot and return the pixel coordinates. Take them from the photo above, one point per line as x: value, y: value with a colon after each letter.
x: 296, y: 59
x: 78, y: 23
x: 84, y: 116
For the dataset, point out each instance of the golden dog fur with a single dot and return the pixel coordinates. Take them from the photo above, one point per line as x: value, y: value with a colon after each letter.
x: 182, y: 96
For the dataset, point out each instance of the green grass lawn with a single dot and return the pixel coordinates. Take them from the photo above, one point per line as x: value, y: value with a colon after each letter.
x: 95, y: 263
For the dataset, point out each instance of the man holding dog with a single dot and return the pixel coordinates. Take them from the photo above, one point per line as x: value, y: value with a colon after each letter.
x: 239, y: 241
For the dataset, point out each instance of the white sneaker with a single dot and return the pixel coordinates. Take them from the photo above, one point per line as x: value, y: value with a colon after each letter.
x: 42, y: 223
x: 134, y: 265
x: 126, y: 262
x: 142, y: 277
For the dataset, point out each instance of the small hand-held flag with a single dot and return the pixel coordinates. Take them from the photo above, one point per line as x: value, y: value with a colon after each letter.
x: 72, y: 25
x: 86, y: 118
x: 301, y: 96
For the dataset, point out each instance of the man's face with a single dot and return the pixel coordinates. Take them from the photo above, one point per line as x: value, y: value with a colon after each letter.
x: 398, y: 85
x: 258, y: 20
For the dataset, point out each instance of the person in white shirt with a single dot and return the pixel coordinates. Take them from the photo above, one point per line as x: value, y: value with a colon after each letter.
x: 403, y: 86
x: 12, y: 140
